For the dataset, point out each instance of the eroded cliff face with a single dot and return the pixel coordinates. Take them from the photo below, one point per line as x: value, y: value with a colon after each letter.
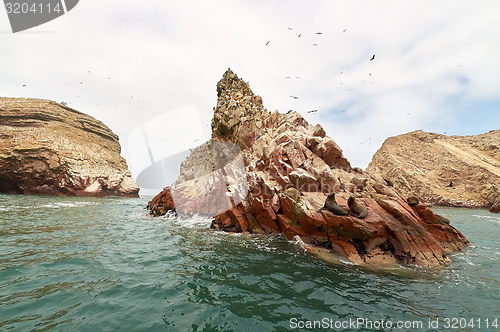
x: 50, y: 149
x: 268, y: 172
x: 461, y: 171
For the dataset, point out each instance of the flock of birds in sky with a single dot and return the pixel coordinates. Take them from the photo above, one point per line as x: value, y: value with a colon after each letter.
x: 267, y: 43
x: 317, y: 33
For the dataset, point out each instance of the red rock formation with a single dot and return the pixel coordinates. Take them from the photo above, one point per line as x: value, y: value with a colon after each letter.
x: 48, y: 148
x: 279, y: 152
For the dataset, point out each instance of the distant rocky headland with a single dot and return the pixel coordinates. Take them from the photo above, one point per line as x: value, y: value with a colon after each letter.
x: 270, y: 173
x: 47, y: 148
x: 458, y: 171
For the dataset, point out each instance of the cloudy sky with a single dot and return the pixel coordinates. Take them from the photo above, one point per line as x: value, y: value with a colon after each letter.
x: 148, y: 69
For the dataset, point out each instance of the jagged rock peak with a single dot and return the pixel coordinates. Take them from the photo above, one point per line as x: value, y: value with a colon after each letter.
x: 239, y: 113
x: 229, y: 82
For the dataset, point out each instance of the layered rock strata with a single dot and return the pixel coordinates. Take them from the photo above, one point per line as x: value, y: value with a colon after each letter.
x: 269, y: 173
x: 47, y: 148
x: 459, y: 171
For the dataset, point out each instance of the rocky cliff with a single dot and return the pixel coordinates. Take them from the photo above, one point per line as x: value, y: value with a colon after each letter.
x: 461, y: 171
x: 50, y: 149
x: 268, y: 172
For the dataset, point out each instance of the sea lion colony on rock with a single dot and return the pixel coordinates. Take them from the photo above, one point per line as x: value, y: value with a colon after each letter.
x: 282, y: 150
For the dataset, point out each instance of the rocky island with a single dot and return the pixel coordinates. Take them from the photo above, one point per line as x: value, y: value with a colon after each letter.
x: 47, y: 148
x: 269, y: 173
x: 458, y: 171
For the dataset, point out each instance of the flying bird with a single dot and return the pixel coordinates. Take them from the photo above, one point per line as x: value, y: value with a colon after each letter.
x: 267, y: 43
x: 312, y: 111
x: 344, y: 30
x: 299, y: 35
x: 373, y: 58
x: 290, y: 29
x: 319, y: 33
x: 315, y: 44
x: 287, y: 76
x: 24, y: 84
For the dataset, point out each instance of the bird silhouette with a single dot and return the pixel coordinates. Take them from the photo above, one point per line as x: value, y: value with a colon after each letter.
x: 267, y: 43
x: 344, y: 30
x: 290, y: 29
x: 299, y: 35
x: 315, y: 44
x: 373, y: 58
x: 312, y: 111
x: 319, y: 33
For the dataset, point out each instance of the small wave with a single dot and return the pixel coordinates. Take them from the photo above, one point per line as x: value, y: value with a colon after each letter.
x: 493, y: 218
x: 66, y: 205
x: 193, y: 222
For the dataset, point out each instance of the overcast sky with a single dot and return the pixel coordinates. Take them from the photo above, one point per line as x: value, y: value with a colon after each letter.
x: 152, y: 67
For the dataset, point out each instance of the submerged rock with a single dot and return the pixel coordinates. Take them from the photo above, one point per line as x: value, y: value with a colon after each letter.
x: 276, y: 176
x: 47, y: 148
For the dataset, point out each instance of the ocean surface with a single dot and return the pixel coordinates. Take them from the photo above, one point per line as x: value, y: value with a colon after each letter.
x: 102, y: 264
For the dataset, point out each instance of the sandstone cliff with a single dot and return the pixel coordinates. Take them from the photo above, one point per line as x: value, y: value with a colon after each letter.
x: 462, y: 171
x: 50, y: 149
x: 265, y: 172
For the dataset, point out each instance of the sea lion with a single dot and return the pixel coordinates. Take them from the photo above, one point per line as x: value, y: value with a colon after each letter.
x: 443, y: 219
x: 412, y: 200
x: 358, y: 209
x: 331, y: 205
x: 358, y: 169
x: 293, y: 193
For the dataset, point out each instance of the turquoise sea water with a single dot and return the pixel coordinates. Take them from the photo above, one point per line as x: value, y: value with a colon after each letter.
x: 90, y: 264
